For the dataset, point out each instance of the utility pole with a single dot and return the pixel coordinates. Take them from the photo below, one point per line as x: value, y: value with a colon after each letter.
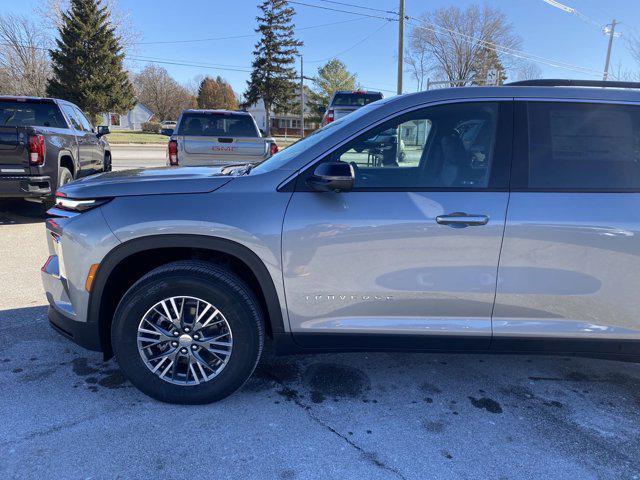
x: 301, y: 98
x: 611, y: 33
x: 400, y: 45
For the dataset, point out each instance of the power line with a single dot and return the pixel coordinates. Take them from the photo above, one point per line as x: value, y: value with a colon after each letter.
x: 231, y: 37
x: 341, y: 11
x: 573, y: 11
x: 362, y: 40
x: 437, y: 29
x: 363, y: 7
x: 184, y: 64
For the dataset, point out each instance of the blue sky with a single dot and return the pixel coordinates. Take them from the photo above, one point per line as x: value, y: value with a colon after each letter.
x: 546, y: 32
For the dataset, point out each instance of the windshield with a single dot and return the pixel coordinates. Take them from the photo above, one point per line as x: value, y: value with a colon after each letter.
x: 30, y: 114
x: 292, y: 151
x: 355, y: 99
x: 204, y: 124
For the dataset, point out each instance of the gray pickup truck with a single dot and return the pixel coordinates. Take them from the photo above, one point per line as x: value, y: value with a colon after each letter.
x: 45, y: 143
x: 217, y: 137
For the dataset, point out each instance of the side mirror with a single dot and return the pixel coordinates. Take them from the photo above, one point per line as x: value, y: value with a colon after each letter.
x: 321, y: 109
x: 332, y: 177
x: 102, y: 130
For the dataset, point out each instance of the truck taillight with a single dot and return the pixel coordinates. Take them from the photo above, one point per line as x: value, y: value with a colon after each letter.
x: 274, y: 148
x: 173, y: 152
x: 36, y: 149
x: 328, y: 118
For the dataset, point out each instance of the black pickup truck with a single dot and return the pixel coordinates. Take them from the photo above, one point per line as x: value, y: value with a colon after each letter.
x: 45, y: 143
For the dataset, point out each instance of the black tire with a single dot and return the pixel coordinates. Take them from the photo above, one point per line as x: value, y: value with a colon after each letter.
x: 64, y: 176
x: 208, y: 282
x: 107, y: 162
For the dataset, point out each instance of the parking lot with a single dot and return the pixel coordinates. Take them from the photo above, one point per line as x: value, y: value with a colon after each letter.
x: 67, y: 414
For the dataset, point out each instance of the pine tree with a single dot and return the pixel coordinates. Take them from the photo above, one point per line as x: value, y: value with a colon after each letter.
x: 273, y: 74
x: 87, y: 63
x: 216, y: 93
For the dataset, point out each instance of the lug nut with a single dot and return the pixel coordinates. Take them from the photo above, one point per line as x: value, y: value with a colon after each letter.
x: 174, y: 344
x: 183, y: 350
x: 194, y: 347
x: 187, y: 329
x: 176, y: 333
x: 196, y: 337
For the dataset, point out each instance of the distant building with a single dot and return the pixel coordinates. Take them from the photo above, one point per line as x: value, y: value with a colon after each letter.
x: 132, y: 120
x: 287, y: 124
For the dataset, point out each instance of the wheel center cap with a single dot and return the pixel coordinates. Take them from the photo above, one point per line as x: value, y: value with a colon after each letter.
x: 185, y: 340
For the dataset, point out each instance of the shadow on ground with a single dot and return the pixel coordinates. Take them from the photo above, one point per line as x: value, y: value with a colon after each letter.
x: 19, y: 211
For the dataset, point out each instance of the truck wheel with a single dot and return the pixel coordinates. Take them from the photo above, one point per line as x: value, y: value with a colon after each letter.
x: 188, y: 332
x: 64, y: 176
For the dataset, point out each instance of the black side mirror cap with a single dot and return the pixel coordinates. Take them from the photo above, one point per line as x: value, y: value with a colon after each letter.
x: 103, y: 130
x: 332, y: 177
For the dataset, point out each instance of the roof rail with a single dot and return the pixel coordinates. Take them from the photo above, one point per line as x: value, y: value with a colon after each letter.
x: 550, y: 82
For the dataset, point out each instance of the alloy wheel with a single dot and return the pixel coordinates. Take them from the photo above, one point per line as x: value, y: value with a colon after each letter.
x: 184, y: 340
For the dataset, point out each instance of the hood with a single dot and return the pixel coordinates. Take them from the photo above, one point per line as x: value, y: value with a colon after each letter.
x: 149, y: 181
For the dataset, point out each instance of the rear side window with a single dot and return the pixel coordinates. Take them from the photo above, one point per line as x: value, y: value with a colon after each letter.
x: 217, y: 125
x: 26, y: 114
x: 576, y: 146
x: 354, y: 99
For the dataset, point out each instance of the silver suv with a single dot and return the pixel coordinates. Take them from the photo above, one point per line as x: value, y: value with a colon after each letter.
x: 511, y: 222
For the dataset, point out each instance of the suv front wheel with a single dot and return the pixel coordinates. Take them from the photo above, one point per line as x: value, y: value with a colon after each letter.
x: 188, y: 332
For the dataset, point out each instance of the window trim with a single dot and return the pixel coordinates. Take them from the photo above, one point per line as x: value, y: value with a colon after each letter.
x: 501, y: 166
x: 521, y: 160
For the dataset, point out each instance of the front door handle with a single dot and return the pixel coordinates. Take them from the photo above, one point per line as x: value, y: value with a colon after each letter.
x: 461, y: 219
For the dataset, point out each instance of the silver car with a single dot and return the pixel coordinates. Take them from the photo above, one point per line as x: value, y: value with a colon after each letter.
x: 511, y: 223
x: 217, y: 137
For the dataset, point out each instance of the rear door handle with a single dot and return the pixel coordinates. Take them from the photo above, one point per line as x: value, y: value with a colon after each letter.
x: 461, y: 219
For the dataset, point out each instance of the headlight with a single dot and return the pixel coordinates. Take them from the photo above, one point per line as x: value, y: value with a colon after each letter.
x: 75, y: 205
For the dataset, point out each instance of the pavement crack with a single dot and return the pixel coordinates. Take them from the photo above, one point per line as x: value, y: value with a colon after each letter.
x: 370, y: 457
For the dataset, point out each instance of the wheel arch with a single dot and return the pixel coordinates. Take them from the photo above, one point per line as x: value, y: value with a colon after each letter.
x: 102, y: 306
x: 66, y: 159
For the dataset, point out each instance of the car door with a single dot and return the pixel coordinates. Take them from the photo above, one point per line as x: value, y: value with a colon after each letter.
x: 97, y: 152
x: 411, y: 253
x: 571, y: 252
x: 84, y: 140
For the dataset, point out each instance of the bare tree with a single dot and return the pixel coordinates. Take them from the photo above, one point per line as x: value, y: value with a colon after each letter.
x: 417, y: 58
x: 452, y: 39
x: 158, y: 91
x: 528, y: 71
x: 51, y: 11
x: 24, y: 59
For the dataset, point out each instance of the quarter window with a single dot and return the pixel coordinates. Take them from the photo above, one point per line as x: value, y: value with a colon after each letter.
x: 583, y: 146
x: 445, y: 146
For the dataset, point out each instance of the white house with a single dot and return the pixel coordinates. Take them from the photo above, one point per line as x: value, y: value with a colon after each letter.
x: 132, y: 120
x: 282, y: 124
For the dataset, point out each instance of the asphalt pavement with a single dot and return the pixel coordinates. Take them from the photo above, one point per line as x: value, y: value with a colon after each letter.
x: 66, y: 414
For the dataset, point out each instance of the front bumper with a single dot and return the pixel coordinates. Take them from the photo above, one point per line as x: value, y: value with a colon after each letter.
x: 62, y: 317
x: 25, y: 186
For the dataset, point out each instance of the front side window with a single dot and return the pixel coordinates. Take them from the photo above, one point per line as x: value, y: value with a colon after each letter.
x: 84, y: 123
x: 445, y: 146
x: 583, y: 146
x: 72, y: 116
